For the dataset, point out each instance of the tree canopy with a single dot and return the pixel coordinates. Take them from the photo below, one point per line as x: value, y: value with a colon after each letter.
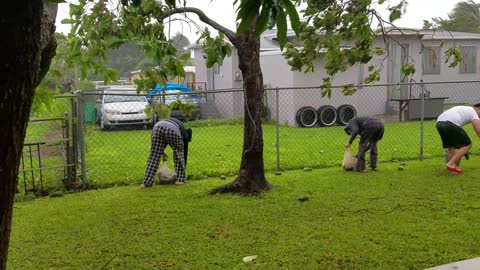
x: 321, y: 26
x: 465, y: 17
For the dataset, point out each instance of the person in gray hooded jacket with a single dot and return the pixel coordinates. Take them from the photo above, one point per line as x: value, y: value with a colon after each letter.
x: 371, y: 131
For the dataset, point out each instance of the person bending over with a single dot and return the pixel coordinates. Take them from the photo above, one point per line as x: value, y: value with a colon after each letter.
x: 371, y: 131
x: 168, y: 132
x: 454, y: 138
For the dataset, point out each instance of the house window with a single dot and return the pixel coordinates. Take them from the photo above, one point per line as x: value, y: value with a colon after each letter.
x: 431, y: 60
x: 469, y: 61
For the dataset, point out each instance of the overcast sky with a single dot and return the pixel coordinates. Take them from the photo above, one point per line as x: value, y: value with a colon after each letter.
x: 223, y: 12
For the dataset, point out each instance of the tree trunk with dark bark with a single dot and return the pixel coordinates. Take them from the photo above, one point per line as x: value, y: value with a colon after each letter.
x: 26, y: 49
x: 251, y: 179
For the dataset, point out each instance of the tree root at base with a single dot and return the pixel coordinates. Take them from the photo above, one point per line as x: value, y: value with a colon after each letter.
x: 243, y: 185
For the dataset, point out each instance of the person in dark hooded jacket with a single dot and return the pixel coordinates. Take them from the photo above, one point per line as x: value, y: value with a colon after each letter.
x: 168, y: 132
x: 371, y: 131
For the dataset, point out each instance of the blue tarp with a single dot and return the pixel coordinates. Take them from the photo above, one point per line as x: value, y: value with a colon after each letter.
x: 170, y: 86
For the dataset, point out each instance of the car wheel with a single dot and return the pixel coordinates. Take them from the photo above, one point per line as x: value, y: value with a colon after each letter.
x: 327, y: 116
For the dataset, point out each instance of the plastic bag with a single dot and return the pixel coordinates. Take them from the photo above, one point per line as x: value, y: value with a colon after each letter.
x: 349, y: 160
x: 165, y: 175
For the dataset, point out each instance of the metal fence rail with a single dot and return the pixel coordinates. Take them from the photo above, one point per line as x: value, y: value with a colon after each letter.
x: 301, y: 128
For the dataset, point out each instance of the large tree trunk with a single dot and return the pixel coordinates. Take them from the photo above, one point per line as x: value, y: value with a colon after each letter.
x: 251, y: 179
x: 26, y: 49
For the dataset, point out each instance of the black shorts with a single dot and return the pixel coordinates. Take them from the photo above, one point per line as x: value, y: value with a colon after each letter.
x: 452, y: 135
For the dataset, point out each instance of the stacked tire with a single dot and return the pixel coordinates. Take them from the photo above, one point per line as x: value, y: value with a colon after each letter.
x: 325, y: 116
x: 345, y: 114
x: 307, y: 117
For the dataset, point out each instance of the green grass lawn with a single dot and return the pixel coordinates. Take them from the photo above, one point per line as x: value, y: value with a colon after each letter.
x: 414, y: 218
x: 119, y: 157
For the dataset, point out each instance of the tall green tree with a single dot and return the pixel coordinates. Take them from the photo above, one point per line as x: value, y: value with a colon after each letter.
x: 325, y: 24
x: 465, y: 17
x: 125, y: 58
x: 26, y: 49
x: 180, y: 41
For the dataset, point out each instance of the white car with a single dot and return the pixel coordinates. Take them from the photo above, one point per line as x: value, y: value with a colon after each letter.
x: 122, y: 107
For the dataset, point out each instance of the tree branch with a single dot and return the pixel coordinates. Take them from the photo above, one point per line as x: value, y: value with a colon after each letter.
x: 232, y: 36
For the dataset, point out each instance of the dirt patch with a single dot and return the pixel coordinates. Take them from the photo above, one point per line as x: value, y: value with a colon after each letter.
x: 54, y: 142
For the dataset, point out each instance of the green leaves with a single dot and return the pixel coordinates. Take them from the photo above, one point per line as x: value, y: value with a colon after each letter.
x: 116, y: 42
x: 454, y: 55
x: 281, y: 28
x: 326, y: 87
x: 293, y: 14
x: 374, y: 75
x: 349, y: 89
x: 216, y: 48
x: 171, y: 3
x: 110, y: 75
x: 395, y: 14
x: 185, y: 57
x: 262, y: 21
x: 408, y: 69
x: 397, y: 11
x: 161, y: 110
x: 68, y: 21
x: 247, y: 12
x: 267, y: 14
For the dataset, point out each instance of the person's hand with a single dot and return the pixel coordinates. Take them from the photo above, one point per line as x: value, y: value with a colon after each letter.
x: 142, y: 186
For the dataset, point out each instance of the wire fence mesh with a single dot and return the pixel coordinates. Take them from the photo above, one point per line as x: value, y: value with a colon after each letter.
x: 300, y: 128
x: 44, y: 162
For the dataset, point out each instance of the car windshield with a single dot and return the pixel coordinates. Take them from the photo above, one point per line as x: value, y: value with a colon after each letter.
x: 115, y: 98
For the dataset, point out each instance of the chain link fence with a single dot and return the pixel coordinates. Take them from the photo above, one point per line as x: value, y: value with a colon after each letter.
x: 48, y: 160
x: 300, y: 129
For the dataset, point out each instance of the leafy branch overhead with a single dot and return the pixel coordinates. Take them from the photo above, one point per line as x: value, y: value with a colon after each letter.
x: 267, y: 14
x: 342, y: 33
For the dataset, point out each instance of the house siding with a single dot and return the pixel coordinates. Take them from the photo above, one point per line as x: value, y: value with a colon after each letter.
x: 368, y: 100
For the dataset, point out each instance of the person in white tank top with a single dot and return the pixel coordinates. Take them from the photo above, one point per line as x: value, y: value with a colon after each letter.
x: 454, y: 138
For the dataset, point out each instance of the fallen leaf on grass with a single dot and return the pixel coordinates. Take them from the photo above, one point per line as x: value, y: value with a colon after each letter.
x: 249, y: 258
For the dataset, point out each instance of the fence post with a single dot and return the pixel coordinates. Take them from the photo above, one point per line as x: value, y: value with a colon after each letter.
x: 69, y: 176
x: 74, y: 121
x: 422, y: 114
x: 277, y: 127
x: 81, y: 137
